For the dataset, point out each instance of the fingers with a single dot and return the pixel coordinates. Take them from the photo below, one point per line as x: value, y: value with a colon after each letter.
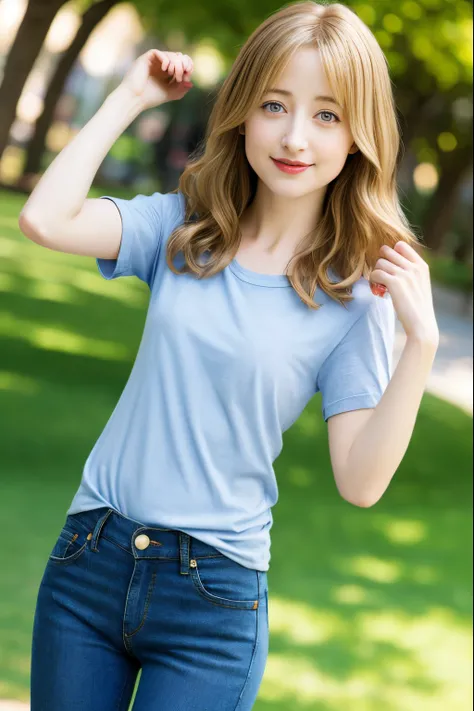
x: 189, y: 67
x: 182, y: 67
x: 179, y: 66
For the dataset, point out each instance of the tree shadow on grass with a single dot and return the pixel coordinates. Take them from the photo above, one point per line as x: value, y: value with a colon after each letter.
x: 376, y: 599
x: 374, y: 596
x: 369, y: 608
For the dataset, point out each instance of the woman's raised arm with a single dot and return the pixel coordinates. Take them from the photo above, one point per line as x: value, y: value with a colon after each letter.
x: 58, y: 214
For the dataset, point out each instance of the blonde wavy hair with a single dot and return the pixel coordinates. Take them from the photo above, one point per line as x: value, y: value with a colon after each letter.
x: 361, y: 208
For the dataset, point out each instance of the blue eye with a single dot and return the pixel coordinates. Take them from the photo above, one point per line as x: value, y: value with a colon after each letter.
x: 330, y: 113
x: 276, y: 103
x: 272, y: 103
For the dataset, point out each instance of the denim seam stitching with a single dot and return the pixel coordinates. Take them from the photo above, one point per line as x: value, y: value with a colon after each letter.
x: 124, y: 634
x: 129, y: 677
x: 64, y: 537
x: 216, y: 600
x: 254, y: 654
x: 83, y: 526
x: 151, y: 587
x: 99, y: 528
x: 158, y: 558
x: 69, y: 544
x: 70, y: 558
x: 231, y: 606
x: 114, y: 543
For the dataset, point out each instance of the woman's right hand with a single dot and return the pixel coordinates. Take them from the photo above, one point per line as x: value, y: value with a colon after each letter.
x: 157, y: 77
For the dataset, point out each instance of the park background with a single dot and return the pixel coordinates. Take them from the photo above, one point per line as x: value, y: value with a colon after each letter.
x: 370, y: 608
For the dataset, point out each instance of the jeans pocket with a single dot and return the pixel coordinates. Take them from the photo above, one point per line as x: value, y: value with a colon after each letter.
x: 226, y: 583
x: 71, y: 543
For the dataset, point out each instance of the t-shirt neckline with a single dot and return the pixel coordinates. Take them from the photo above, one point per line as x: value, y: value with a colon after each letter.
x: 276, y: 280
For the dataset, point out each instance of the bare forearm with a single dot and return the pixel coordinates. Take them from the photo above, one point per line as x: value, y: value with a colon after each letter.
x: 381, y: 445
x: 62, y: 190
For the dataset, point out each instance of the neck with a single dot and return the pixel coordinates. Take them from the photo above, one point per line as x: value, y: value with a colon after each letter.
x: 275, y: 225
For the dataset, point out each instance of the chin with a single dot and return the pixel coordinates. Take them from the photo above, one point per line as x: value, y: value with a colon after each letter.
x: 289, y: 188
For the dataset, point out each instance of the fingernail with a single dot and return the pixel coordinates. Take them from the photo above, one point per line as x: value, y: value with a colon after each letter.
x: 378, y: 289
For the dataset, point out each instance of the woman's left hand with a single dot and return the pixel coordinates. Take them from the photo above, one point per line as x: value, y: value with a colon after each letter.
x: 407, y: 277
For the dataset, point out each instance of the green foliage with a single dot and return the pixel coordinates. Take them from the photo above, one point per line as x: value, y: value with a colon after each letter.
x: 447, y: 271
x: 369, y: 608
x: 428, y: 45
x: 127, y: 148
x: 435, y: 33
x: 434, y: 36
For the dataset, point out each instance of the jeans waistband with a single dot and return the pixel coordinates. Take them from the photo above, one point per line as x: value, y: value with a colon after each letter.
x: 153, y: 542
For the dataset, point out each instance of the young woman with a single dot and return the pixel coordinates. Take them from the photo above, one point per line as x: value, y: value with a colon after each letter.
x: 260, y: 269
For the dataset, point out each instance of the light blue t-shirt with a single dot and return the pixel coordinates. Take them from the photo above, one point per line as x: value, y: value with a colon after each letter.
x: 226, y: 364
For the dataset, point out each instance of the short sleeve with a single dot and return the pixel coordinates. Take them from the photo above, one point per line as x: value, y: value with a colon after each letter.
x: 356, y: 373
x: 146, y: 221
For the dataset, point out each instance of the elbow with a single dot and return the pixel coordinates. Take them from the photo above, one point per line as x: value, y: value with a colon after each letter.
x: 362, y: 503
x: 360, y: 498
x: 32, y: 228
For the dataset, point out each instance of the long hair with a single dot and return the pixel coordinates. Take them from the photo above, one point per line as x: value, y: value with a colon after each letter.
x: 361, y: 209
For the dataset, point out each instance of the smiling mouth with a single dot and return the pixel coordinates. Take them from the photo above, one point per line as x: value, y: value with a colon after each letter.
x: 292, y: 164
x: 290, y: 168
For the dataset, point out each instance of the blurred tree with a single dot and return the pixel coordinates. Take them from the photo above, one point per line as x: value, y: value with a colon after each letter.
x: 428, y: 45
x: 447, y: 143
x: 21, y: 58
x: 442, y: 206
x: 227, y: 25
x: 35, y: 149
x: 184, y: 135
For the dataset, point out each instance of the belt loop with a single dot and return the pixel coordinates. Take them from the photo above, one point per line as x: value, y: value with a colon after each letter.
x: 98, y: 529
x: 184, y: 542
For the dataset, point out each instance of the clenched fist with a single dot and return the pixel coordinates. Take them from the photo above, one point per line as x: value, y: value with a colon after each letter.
x: 157, y: 77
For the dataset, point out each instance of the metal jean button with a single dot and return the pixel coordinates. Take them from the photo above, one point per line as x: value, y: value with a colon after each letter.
x: 142, y: 542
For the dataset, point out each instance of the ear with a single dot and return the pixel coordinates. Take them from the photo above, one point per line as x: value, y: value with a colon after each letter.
x: 242, y: 130
x: 353, y: 149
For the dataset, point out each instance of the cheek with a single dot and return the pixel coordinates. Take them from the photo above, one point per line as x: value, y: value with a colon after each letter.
x: 259, y: 136
x: 331, y: 144
x: 259, y: 145
x: 332, y: 152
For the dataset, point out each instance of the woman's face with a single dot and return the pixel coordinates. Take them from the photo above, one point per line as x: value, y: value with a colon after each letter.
x: 292, y: 123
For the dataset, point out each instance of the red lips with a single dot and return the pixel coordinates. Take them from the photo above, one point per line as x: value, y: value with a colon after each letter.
x: 286, y: 161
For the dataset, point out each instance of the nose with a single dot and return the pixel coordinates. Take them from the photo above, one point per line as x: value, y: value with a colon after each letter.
x: 294, y: 139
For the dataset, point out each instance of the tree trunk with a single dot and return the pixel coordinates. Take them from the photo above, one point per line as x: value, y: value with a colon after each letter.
x: 36, y: 146
x: 463, y: 252
x: 439, y: 215
x: 21, y: 58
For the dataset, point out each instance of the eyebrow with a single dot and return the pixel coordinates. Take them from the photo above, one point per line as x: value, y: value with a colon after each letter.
x: 320, y: 97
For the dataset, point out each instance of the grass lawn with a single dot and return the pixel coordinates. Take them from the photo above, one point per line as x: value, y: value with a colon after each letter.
x: 370, y: 609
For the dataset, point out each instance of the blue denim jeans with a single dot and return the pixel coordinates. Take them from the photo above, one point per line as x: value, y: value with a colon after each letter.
x: 118, y: 596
